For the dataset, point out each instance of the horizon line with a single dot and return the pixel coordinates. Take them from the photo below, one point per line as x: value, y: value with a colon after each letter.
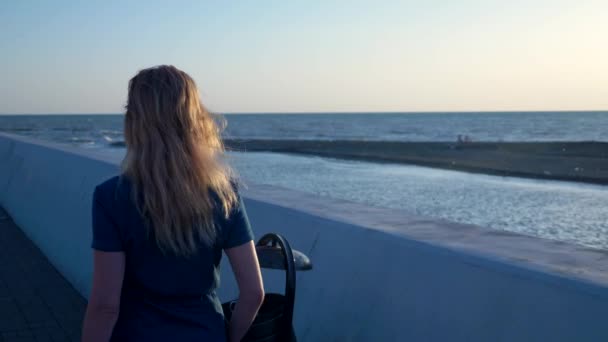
x: 345, y: 112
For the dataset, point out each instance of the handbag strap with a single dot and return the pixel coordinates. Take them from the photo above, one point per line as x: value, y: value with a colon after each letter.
x: 290, y: 273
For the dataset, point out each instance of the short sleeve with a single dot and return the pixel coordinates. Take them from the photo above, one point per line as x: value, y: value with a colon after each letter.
x: 238, y: 229
x: 106, y: 235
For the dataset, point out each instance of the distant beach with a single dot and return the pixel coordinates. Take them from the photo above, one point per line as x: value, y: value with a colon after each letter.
x: 570, y: 146
x: 569, y: 161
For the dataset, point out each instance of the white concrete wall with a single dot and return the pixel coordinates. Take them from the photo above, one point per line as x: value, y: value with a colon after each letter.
x: 379, y: 275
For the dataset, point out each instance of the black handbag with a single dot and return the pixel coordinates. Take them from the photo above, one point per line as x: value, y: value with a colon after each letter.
x: 274, y: 321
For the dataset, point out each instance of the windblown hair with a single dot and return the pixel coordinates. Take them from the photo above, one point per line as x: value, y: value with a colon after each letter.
x: 173, y: 158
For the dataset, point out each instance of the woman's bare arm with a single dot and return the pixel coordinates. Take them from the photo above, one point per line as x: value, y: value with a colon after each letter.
x: 244, y: 262
x: 104, y: 301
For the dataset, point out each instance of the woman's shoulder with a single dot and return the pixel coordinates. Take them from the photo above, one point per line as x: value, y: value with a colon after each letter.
x: 112, y: 188
x: 108, y: 183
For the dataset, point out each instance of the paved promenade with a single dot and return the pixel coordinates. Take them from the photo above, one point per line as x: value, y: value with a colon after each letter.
x: 36, y: 302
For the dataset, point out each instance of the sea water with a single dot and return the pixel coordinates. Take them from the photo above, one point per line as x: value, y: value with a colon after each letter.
x: 564, y: 211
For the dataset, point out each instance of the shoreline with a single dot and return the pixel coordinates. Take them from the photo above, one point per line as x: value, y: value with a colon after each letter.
x: 585, y: 162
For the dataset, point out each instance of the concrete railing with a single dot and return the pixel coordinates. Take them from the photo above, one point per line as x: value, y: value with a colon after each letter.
x: 379, y: 274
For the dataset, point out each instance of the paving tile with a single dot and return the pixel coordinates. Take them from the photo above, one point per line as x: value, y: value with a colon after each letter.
x: 19, y: 336
x: 36, y: 302
x: 73, y: 329
x: 49, y: 334
x: 58, y: 335
x: 3, y: 290
x: 35, y: 311
x: 11, y: 318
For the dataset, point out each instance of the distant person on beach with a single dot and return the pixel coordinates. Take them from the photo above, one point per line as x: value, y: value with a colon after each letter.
x: 463, y: 139
x: 159, y: 228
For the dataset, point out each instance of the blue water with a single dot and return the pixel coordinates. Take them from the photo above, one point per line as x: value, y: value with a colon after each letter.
x: 563, y: 211
x: 102, y: 130
x: 557, y: 210
x: 524, y: 126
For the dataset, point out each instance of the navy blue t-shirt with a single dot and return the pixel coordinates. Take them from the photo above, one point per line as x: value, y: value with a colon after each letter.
x: 164, y: 297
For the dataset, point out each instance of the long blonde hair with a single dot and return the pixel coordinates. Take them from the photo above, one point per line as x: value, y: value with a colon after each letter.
x: 173, y: 158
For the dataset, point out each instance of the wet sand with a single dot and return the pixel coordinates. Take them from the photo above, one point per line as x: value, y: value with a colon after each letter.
x: 570, y: 161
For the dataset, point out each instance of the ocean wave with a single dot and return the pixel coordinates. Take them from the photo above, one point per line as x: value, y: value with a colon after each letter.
x: 112, y: 142
x: 80, y: 139
x: 117, y: 143
x: 111, y: 132
x: 20, y: 129
x: 72, y: 129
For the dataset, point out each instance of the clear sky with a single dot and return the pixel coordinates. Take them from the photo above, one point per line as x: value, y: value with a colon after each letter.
x: 301, y: 56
